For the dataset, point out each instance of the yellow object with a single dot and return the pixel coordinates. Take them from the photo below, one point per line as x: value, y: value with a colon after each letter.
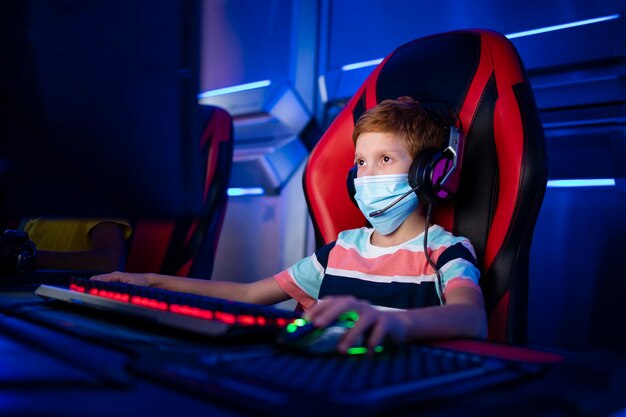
x: 65, y: 235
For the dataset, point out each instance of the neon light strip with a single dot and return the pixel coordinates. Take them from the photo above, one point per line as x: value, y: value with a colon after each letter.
x: 363, y: 64
x: 321, y: 83
x: 373, y: 62
x: 585, y: 122
x: 235, y: 89
x: 563, y: 26
x: 601, y: 182
x: 238, y: 192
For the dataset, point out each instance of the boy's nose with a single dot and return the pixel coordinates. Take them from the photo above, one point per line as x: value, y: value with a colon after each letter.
x: 366, y: 171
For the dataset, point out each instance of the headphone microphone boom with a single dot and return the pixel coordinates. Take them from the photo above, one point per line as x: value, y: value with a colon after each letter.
x: 393, y: 203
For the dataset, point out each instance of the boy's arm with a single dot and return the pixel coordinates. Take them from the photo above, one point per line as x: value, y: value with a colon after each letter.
x: 463, y: 316
x: 265, y: 291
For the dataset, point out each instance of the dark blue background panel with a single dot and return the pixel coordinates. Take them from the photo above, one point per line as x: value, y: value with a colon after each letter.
x: 577, y: 270
x: 587, y: 152
x: 99, y: 108
x: 245, y: 41
x: 363, y: 30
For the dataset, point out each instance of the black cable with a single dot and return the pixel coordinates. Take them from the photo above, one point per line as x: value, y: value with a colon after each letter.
x: 438, y: 283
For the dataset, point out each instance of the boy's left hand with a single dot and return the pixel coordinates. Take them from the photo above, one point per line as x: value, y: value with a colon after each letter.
x: 379, y: 324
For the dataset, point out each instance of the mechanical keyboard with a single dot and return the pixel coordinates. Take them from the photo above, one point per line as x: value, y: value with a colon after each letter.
x: 275, y: 382
x: 199, y: 314
x: 270, y: 380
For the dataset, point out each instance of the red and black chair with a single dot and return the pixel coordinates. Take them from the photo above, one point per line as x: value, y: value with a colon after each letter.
x: 477, y: 77
x: 187, y: 246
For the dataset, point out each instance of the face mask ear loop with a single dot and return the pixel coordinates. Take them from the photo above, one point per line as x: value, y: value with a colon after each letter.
x: 438, y: 283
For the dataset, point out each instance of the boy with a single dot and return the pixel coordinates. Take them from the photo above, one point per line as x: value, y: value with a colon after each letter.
x: 380, y: 272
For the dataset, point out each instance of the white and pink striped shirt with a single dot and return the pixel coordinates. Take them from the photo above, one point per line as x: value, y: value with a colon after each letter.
x: 395, y: 277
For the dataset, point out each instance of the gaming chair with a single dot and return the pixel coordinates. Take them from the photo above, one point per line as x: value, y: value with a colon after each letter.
x: 477, y: 80
x: 187, y: 246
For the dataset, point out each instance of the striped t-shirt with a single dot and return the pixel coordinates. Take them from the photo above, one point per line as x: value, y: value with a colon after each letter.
x: 396, y: 276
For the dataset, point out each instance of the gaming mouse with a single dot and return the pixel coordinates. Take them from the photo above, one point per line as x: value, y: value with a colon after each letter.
x: 302, y: 335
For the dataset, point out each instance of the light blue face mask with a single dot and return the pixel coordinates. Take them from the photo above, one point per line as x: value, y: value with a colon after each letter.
x: 377, y: 192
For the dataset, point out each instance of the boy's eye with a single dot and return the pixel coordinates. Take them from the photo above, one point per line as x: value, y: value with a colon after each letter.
x: 360, y: 162
x: 386, y: 159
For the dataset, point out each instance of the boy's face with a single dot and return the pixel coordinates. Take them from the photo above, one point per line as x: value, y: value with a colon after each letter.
x: 380, y: 154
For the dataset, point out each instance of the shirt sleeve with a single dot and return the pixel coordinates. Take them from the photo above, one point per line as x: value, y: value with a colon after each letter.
x: 457, y: 266
x: 303, y: 280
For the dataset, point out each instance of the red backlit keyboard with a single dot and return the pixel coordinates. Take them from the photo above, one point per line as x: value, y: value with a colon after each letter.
x: 206, y: 315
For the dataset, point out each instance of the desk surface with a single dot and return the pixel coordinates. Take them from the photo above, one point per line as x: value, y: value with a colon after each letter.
x: 64, y: 360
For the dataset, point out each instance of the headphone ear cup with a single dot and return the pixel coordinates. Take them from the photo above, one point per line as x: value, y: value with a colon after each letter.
x: 428, y: 170
x: 420, y: 174
x: 350, y: 184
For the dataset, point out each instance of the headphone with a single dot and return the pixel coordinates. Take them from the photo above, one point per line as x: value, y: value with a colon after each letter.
x: 434, y: 173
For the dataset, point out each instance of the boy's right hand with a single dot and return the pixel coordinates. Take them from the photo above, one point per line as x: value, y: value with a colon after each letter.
x: 126, y: 277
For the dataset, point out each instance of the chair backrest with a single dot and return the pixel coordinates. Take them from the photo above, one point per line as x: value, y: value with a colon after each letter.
x: 187, y: 246
x: 479, y: 78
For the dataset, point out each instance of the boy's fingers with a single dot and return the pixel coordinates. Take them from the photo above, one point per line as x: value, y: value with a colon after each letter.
x: 329, y: 313
x: 327, y: 310
x: 353, y: 334
x: 106, y: 277
x: 378, y: 332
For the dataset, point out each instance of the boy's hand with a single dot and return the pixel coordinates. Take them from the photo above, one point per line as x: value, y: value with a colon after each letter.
x: 379, y: 324
x: 126, y: 277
